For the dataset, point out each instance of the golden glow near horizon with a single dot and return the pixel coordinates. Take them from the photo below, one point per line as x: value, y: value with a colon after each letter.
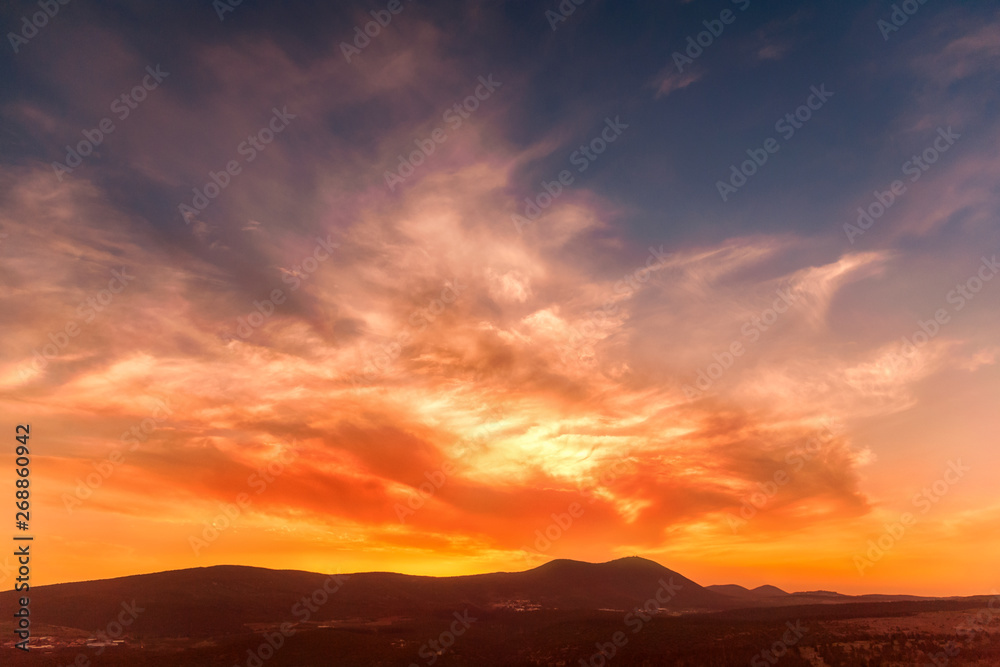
x: 415, y: 386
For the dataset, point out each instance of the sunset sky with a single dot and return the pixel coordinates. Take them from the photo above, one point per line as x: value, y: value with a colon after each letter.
x: 251, y: 268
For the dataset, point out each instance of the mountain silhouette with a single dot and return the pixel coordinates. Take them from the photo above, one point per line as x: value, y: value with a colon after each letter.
x: 743, y: 593
x: 227, y: 598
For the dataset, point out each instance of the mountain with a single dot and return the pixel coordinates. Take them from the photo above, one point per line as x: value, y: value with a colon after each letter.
x: 225, y: 599
x: 555, y: 614
x: 618, y: 584
x: 761, y: 593
x: 767, y: 589
x: 221, y: 600
x: 772, y: 596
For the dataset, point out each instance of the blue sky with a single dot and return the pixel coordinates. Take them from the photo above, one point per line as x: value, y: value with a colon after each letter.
x: 299, y: 291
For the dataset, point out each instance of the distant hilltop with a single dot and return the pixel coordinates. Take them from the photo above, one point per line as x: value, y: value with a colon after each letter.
x: 228, y: 598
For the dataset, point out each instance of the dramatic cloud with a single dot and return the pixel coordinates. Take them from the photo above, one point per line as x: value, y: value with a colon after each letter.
x: 346, y: 323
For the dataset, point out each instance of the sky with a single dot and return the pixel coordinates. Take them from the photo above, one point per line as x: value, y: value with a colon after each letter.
x: 498, y: 282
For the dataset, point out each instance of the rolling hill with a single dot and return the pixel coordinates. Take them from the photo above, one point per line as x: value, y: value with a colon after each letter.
x: 221, y: 600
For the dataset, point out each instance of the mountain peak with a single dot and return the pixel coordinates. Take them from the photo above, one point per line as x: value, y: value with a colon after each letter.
x: 742, y: 592
x: 768, y: 589
x: 626, y: 564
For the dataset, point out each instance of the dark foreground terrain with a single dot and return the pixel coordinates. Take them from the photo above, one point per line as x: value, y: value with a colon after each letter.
x: 629, y: 613
x: 852, y: 634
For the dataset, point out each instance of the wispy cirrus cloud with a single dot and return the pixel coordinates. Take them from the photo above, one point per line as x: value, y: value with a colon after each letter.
x: 430, y: 310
